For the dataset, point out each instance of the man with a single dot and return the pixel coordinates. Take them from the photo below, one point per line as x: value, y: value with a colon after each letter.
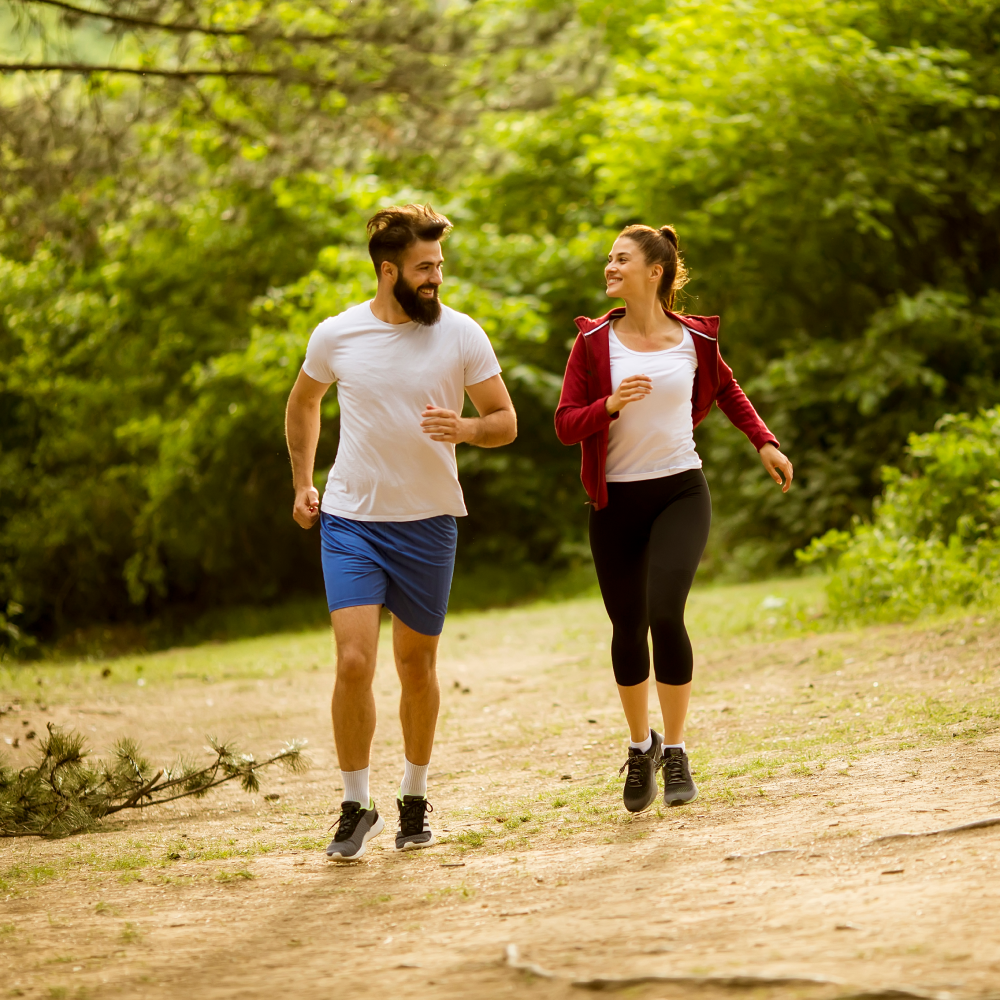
x: 403, y: 362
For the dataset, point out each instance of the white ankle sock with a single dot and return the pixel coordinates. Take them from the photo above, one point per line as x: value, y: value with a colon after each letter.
x: 644, y: 745
x: 414, y: 779
x: 356, y: 787
x: 675, y: 746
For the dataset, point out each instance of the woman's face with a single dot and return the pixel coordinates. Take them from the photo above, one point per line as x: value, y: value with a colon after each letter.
x: 627, y: 274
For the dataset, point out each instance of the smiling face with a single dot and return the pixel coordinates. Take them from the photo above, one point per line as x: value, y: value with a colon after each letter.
x: 627, y: 274
x: 415, y: 283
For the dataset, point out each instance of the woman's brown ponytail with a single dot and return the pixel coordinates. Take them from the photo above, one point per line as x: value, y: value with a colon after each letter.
x: 660, y: 246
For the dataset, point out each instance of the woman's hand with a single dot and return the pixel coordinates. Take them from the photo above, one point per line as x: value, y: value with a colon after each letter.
x: 632, y: 388
x: 777, y: 465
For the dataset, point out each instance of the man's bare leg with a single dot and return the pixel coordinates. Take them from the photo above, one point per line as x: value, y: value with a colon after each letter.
x: 416, y: 664
x: 353, y: 708
x: 356, y: 633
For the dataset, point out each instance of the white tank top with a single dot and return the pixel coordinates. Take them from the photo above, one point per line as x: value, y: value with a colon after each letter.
x: 654, y: 436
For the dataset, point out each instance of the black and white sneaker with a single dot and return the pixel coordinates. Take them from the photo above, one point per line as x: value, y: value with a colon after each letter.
x: 414, y: 829
x: 678, y: 785
x: 640, y: 783
x: 355, y: 828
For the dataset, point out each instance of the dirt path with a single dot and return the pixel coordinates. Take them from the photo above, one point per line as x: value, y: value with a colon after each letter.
x: 774, y: 874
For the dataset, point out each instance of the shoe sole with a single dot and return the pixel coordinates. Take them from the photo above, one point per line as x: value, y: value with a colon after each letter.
x: 416, y: 847
x: 681, y: 802
x: 652, y: 799
x: 373, y: 832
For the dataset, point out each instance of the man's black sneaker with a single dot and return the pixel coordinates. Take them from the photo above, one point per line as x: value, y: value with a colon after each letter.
x: 355, y: 828
x: 678, y: 785
x: 640, y: 783
x: 414, y: 829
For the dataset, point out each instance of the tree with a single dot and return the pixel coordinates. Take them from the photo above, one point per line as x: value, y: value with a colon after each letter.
x: 830, y: 167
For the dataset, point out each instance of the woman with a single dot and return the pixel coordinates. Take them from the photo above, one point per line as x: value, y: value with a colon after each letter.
x: 638, y: 381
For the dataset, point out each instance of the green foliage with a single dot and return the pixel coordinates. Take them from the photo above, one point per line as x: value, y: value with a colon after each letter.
x: 830, y: 165
x: 934, y: 540
x: 65, y: 793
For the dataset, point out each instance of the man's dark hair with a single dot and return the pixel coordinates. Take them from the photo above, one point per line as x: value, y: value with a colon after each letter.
x: 393, y: 230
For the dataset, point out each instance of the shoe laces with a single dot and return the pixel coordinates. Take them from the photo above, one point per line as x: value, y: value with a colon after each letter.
x: 636, y: 764
x: 411, y: 815
x: 350, y: 816
x: 673, y: 769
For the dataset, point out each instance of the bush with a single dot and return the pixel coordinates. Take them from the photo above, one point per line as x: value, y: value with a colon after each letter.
x: 934, y: 541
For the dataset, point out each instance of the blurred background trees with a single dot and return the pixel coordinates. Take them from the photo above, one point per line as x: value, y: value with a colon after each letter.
x: 168, y: 241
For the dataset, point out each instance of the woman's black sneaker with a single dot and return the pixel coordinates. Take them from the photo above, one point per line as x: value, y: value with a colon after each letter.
x: 678, y: 785
x: 640, y: 783
x: 355, y: 828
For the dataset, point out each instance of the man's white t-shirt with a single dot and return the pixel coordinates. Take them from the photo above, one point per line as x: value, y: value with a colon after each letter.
x: 653, y: 436
x: 387, y: 468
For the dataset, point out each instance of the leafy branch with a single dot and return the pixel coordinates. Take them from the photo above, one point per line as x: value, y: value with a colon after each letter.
x: 179, y: 27
x: 64, y: 793
x: 172, y: 74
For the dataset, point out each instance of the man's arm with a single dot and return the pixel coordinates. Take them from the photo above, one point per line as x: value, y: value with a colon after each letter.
x: 302, y: 435
x: 496, y: 424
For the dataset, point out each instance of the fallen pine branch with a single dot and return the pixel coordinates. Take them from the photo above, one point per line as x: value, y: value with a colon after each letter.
x: 67, y: 792
x: 978, y: 824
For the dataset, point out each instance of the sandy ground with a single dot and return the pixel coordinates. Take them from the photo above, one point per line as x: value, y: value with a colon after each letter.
x: 773, y: 884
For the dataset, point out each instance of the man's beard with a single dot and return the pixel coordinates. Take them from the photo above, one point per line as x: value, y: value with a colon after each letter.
x: 426, y: 312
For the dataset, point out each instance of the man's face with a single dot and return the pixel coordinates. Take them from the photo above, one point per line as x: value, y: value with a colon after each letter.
x: 418, y: 280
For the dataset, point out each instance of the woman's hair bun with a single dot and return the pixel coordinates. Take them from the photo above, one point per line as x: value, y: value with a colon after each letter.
x: 659, y: 246
x: 669, y: 233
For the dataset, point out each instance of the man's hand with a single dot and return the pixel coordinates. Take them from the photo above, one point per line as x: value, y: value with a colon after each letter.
x: 302, y: 433
x: 496, y: 424
x: 777, y: 466
x: 306, y: 509
x: 446, y: 425
x: 633, y: 388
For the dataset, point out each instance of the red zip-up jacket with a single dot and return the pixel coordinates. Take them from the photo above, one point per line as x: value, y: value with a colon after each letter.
x: 581, y: 417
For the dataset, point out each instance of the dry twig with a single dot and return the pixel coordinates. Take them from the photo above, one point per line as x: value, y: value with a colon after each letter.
x: 978, y: 824
x: 514, y: 961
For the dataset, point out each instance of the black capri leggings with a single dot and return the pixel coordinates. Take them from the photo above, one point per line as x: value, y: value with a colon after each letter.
x: 647, y: 543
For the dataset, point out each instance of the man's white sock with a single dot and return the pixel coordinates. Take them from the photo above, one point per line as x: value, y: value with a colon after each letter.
x: 644, y: 746
x: 356, y: 787
x: 414, y: 779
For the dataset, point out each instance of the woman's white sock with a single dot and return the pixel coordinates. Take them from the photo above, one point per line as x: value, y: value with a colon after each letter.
x: 414, y: 779
x: 356, y: 787
x: 644, y: 746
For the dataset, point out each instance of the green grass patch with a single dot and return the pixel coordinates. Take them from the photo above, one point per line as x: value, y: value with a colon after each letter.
x: 18, y: 876
x: 131, y: 933
x: 241, y: 875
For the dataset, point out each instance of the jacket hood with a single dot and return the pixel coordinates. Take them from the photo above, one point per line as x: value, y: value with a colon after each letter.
x: 707, y: 325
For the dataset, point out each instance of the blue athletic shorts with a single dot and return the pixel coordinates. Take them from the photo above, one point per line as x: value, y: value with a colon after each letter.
x: 405, y: 565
